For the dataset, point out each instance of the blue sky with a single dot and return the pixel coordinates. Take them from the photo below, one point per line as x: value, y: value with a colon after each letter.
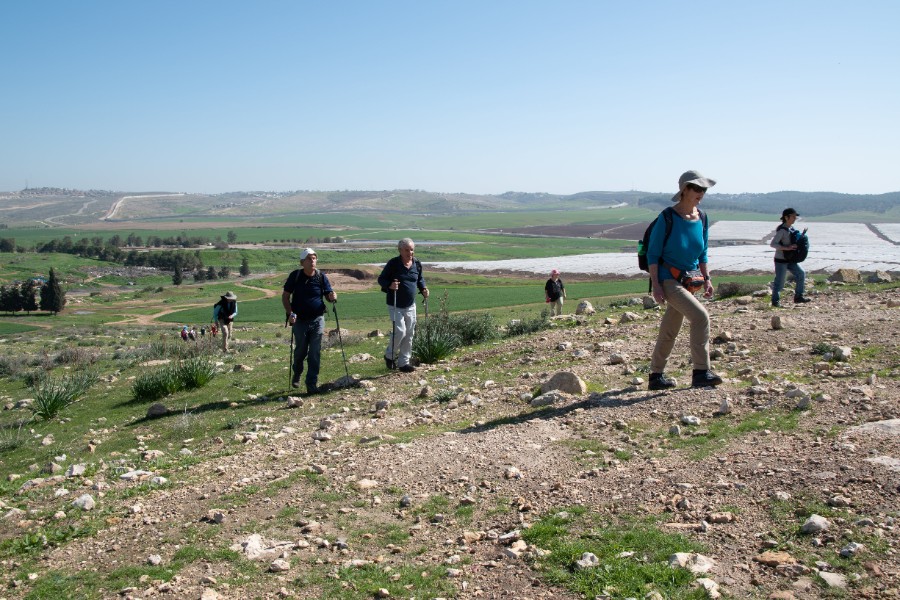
x: 450, y: 96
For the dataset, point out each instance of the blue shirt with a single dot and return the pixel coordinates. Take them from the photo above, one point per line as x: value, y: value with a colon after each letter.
x: 685, y: 248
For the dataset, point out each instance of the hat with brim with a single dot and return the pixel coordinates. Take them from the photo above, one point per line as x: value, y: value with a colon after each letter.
x: 229, y: 296
x: 694, y: 177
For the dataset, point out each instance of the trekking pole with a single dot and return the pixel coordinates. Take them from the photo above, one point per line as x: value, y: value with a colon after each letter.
x: 394, y: 333
x: 340, y: 338
x: 291, y: 355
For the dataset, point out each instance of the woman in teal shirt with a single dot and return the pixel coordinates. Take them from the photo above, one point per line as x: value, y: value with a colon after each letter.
x: 684, y: 250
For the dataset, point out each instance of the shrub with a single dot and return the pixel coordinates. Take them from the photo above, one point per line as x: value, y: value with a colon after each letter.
x: 156, y: 384
x: 76, y: 355
x: 523, y: 326
x: 11, y: 366
x: 52, y: 395
x: 473, y: 328
x: 434, y: 343
x: 195, y: 372
x: 445, y: 395
x: 188, y: 374
x: 13, y: 435
x: 731, y: 289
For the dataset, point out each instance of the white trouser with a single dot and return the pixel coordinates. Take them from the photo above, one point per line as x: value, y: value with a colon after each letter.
x: 403, y: 329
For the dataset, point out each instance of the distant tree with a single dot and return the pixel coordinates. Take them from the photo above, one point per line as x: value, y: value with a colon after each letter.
x: 232, y: 237
x: 199, y: 275
x: 224, y: 273
x: 7, y: 244
x: 245, y: 267
x: 53, y: 298
x: 211, y: 273
x: 28, y: 293
x: 177, y: 276
x: 6, y: 301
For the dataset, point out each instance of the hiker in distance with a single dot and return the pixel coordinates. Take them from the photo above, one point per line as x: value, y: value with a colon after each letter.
x: 224, y: 312
x: 555, y: 292
x: 304, y: 309
x: 782, y: 242
x: 678, y: 269
x: 399, y: 280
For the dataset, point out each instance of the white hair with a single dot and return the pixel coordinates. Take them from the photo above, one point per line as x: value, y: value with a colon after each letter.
x: 405, y: 243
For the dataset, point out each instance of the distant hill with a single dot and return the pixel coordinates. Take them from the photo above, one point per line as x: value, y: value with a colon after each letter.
x: 59, y: 206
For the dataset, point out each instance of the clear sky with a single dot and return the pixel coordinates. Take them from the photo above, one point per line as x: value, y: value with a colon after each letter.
x: 481, y: 96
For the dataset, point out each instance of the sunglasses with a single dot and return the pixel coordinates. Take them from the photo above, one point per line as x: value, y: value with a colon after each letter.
x: 696, y: 188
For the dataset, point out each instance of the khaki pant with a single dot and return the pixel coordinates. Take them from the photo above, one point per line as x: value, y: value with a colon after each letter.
x: 226, y: 330
x: 556, y: 306
x: 680, y: 304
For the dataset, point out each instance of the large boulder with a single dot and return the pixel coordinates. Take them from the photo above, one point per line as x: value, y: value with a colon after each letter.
x: 565, y: 381
x: 880, y: 277
x: 585, y: 308
x: 845, y: 276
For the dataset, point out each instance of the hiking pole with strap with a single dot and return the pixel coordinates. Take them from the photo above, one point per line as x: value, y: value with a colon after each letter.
x: 340, y: 338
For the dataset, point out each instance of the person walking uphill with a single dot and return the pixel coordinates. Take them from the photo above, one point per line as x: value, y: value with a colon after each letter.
x: 782, y: 242
x: 555, y: 292
x: 399, y: 280
x: 224, y: 312
x: 678, y: 269
x: 305, y: 311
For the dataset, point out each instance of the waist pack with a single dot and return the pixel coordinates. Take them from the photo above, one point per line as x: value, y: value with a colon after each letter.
x: 691, y: 280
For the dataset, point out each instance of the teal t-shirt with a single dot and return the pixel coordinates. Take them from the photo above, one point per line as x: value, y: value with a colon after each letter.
x: 685, y: 248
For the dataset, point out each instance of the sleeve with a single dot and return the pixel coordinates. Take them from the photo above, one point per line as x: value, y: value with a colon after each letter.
x: 704, y: 220
x: 235, y: 310
x: 778, y: 238
x: 547, y: 286
x: 657, y: 236
x: 290, y: 283
x: 216, y: 310
x: 385, y: 279
x: 326, y: 285
x: 421, y: 280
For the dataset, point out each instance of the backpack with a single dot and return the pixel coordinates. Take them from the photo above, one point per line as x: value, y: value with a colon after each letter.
x: 802, y: 240
x: 644, y: 244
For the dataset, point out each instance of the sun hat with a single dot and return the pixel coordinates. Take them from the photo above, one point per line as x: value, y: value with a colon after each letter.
x: 306, y: 252
x: 694, y: 177
x: 554, y: 272
x: 229, y: 295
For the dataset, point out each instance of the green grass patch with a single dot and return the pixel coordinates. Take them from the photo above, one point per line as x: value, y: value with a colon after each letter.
x: 715, y: 434
x: 364, y: 582
x: 633, y: 556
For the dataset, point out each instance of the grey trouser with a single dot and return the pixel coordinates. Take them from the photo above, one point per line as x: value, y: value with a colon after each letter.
x: 400, y: 349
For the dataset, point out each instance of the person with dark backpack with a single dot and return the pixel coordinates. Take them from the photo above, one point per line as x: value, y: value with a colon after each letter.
x: 676, y: 259
x: 791, y: 247
x: 302, y: 298
x: 555, y: 293
x: 224, y: 312
x: 399, y: 280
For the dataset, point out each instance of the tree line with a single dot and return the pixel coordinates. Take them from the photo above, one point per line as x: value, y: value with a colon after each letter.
x: 24, y: 297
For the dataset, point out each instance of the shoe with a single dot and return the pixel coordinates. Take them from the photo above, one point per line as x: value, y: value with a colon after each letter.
x: 312, y: 390
x: 705, y: 378
x: 295, y: 383
x: 776, y: 305
x: 407, y: 368
x: 659, y: 381
x: 389, y: 363
x: 801, y: 300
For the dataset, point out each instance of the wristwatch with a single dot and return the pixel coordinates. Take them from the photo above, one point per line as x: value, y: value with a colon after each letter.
x: 706, y: 278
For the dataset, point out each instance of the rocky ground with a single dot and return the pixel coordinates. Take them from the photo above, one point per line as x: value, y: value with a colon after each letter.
x: 438, y: 469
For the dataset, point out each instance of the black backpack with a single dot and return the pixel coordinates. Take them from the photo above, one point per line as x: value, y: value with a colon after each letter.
x: 802, y: 240
x: 644, y: 243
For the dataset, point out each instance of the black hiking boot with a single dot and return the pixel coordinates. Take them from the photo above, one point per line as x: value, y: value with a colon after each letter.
x: 659, y: 381
x: 704, y: 378
x: 407, y: 368
x: 801, y: 300
x: 389, y: 363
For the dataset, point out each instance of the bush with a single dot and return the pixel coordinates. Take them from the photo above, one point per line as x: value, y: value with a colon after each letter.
x: 473, y: 328
x: 434, y: 342
x: 11, y: 366
x: 195, y: 372
x: 523, y: 326
x: 189, y: 374
x: 52, y: 395
x: 730, y: 289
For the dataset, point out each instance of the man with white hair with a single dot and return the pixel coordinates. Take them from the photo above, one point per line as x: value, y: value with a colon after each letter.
x: 399, y: 280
